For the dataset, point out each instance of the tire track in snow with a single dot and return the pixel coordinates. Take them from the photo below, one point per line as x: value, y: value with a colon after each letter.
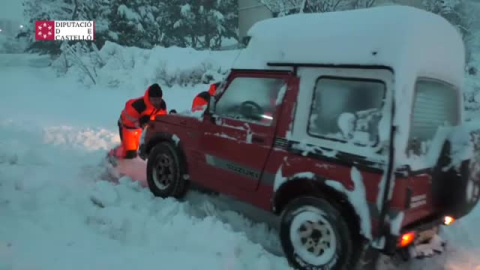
x: 48, y: 176
x: 51, y: 220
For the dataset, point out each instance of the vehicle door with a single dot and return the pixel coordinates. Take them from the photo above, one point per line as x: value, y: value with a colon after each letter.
x: 239, y: 130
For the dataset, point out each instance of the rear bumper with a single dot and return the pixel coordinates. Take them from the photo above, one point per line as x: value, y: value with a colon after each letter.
x: 419, y: 227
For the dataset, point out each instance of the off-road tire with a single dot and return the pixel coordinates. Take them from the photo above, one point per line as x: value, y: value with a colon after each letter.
x: 177, y: 185
x: 346, y: 251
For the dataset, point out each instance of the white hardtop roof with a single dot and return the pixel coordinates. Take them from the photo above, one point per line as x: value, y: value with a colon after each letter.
x: 406, y: 39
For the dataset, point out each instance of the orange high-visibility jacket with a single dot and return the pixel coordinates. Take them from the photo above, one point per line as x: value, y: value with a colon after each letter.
x: 200, y: 101
x: 203, y: 98
x: 139, y: 111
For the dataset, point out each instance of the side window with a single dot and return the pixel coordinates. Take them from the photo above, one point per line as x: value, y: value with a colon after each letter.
x: 347, y: 110
x: 435, y: 104
x: 250, y: 99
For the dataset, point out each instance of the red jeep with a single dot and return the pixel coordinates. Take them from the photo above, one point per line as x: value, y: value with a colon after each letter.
x: 369, y: 153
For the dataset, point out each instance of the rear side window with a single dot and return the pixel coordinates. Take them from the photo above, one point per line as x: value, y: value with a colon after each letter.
x: 347, y: 110
x: 435, y: 104
x: 251, y: 99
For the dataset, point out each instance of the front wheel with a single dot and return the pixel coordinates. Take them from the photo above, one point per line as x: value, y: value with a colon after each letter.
x: 315, y: 236
x: 165, y: 172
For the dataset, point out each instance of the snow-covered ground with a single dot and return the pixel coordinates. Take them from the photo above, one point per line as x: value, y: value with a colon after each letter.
x: 53, y: 134
x: 56, y: 212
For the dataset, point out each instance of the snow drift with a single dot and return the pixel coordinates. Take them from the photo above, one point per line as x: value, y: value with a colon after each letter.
x: 55, y: 212
x: 114, y: 66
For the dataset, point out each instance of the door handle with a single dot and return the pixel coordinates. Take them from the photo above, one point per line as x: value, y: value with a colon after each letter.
x: 258, y: 139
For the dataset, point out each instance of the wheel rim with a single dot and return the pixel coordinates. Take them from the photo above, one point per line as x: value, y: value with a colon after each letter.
x: 163, y: 172
x: 313, y: 237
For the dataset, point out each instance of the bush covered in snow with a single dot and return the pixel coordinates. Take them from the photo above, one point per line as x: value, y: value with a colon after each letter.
x: 472, y: 84
x: 8, y: 44
x: 114, y: 65
x: 472, y: 94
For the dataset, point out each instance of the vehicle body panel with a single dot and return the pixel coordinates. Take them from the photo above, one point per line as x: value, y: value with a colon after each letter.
x: 252, y: 161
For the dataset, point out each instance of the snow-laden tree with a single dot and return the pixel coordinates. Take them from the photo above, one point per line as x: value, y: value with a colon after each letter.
x: 462, y: 14
x: 201, y: 24
x: 9, y: 44
x: 318, y: 6
x: 287, y: 7
x: 39, y: 10
x: 179, y: 25
x: 452, y: 10
x: 356, y: 4
x: 137, y: 23
x: 217, y: 20
x: 97, y: 11
x: 140, y: 23
x: 284, y: 7
x: 185, y: 23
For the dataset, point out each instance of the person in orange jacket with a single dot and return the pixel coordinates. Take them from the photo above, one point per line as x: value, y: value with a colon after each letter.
x: 136, y: 114
x: 202, y: 99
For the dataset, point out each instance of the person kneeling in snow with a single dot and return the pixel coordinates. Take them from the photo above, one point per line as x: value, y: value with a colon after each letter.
x: 137, y: 113
x: 202, y: 99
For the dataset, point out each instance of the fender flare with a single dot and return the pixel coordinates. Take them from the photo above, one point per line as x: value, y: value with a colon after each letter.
x: 294, y: 187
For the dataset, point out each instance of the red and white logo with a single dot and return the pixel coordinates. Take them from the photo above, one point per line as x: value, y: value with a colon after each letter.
x: 65, y: 30
x: 45, y: 30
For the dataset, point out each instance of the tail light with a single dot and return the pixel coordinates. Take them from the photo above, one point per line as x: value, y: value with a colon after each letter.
x: 406, y: 239
x: 448, y: 220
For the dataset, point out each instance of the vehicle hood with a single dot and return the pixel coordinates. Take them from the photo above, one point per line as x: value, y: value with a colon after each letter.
x: 180, y: 120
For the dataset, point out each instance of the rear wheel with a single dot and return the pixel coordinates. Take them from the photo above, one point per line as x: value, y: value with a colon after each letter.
x: 165, y: 172
x: 315, y: 236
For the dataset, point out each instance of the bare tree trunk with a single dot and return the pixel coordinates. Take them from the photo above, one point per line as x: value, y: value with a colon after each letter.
x: 356, y: 4
x: 302, y: 7
x: 369, y: 3
x: 335, y: 5
x: 79, y: 62
x: 75, y: 10
x: 194, y: 40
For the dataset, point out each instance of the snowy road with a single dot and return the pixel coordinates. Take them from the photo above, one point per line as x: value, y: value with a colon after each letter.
x: 55, y: 214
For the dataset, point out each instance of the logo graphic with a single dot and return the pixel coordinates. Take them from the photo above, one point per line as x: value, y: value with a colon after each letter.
x: 45, y: 30
x: 65, y: 30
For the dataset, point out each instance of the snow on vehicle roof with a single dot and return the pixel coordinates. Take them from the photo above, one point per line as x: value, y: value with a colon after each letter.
x: 404, y: 38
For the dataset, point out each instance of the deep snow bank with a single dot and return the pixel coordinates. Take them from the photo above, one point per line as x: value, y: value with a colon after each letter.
x: 57, y: 214
x: 115, y: 65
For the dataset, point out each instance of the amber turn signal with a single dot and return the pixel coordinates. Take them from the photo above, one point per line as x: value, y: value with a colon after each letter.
x: 448, y: 220
x: 406, y: 239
